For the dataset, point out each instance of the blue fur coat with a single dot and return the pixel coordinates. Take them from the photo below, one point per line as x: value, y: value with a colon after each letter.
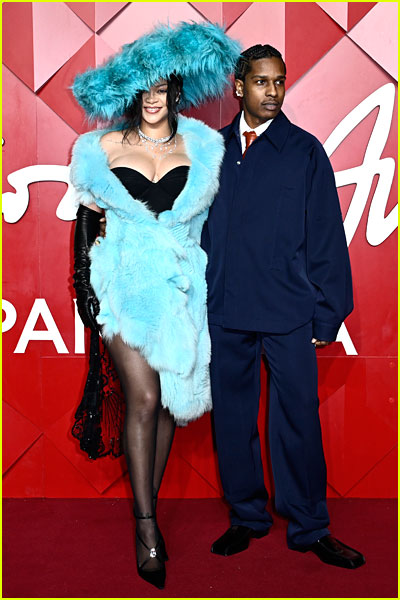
x: 149, y: 272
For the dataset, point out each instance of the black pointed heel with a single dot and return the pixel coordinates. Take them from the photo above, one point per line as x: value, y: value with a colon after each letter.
x: 163, y: 549
x: 155, y: 577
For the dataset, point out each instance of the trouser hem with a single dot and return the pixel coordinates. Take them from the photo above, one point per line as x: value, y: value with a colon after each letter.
x: 307, y: 539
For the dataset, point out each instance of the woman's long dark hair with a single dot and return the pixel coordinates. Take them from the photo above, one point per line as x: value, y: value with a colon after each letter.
x: 133, y: 114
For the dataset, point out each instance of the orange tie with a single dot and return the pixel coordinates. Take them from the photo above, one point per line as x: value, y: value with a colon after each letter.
x: 250, y: 137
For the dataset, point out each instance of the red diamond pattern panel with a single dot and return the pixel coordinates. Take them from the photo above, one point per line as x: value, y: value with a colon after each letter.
x: 196, y: 454
x: 262, y: 23
x: 18, y: 40
x: 22, y: 386
x: 62, y: 384
x: 85, y: 11
x: 307, y: 21
x: 101, y: 473
x: 212, y: 11
x: 358, y: 10
x: 338, y: 11
x: 96, y: 14
x: 14, y: 446
x: 383, y: 476
x: 139, y: 17
x: 57, y: 94
x: 376, y: 34
x: 62, y: 479
x: 337, y: 54
x: 26, y: 477
x: 121, y: 488
x: 105, y: 11
x: 344, y: 441
x: 225, y: 13
x: 64, y: 41
x: 103, y: 50
x: 181, y: 479
x: 231, y: 11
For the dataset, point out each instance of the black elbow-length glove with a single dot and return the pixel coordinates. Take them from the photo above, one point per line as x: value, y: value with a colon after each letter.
x: 86, y: 230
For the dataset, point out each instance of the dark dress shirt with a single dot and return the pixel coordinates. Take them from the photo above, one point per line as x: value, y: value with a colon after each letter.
x: 277, y: 254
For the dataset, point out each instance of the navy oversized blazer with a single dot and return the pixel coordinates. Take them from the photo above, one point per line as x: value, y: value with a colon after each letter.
x: 277, y: 254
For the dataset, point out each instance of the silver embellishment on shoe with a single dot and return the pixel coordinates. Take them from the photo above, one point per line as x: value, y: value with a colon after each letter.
x: 153, y: 553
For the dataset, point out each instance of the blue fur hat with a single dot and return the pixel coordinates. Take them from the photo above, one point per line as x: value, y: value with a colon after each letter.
x: 202, y: 54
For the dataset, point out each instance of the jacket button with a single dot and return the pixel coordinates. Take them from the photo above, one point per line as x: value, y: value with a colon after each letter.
x: 238, y: 162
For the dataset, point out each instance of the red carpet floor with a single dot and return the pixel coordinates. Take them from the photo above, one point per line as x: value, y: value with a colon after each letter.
x: 84, y: 548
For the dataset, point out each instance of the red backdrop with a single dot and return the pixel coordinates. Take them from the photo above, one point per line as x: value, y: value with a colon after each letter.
x: 341, y: 87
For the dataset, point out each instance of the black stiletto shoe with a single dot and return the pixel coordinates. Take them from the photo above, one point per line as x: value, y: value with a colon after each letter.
x: 163, y: 549
x: 155, y: 577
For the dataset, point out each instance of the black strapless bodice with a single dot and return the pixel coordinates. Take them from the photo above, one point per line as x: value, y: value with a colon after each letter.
x: 158, y: 196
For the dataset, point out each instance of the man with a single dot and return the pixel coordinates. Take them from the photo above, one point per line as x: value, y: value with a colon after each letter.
x: 279, y: 280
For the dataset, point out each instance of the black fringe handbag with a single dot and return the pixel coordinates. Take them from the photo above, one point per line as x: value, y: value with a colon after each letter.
x: 99, y: 419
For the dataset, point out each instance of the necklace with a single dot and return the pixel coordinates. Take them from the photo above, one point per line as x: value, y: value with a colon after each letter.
x: 156, y: 141
x: 157, y: 148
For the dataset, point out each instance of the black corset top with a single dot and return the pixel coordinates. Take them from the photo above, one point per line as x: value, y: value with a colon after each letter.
x: 158, y: 196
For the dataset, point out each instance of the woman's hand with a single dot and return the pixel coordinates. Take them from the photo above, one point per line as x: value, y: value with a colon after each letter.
x: 102, y: 223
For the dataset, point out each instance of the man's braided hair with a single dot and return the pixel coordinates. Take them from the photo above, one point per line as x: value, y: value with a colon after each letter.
x: 256, y: 52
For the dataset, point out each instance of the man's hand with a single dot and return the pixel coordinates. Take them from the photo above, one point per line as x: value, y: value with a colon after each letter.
x: 319, y: 343
x: 102, y: 232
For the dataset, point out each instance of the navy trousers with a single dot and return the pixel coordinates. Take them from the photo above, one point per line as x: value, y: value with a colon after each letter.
x: 294, y: 429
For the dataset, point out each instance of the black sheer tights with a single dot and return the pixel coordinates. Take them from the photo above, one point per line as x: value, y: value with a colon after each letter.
x: 148, y: 434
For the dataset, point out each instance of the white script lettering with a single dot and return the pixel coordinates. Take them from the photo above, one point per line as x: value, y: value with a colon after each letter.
x: 379, y: 227
x: 16, y: 204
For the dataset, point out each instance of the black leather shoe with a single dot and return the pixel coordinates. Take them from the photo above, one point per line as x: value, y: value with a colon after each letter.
x: 236, y: 539
x: 333, y: 552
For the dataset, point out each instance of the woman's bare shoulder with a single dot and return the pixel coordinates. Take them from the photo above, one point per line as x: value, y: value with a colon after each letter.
x: 112, y: 143
x: 115, y: 137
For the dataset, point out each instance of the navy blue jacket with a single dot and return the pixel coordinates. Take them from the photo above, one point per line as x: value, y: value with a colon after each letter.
x: 277, y: 254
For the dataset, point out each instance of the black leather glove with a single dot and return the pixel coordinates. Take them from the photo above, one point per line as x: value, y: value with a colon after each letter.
x: 86, y: 230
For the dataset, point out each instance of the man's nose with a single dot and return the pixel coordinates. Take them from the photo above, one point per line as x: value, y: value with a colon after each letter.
x: 270, y: 90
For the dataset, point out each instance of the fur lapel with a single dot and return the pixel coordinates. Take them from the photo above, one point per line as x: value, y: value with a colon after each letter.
x: 90, y: 172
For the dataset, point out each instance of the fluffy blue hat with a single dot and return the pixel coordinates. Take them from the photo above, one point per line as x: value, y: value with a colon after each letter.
x: 202, y: 54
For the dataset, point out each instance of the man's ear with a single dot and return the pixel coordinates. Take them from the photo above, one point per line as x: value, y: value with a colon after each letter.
x: 239, y: 88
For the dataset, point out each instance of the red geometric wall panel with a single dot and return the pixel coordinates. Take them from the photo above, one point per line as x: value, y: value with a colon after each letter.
x: 18, y: 40
x: 95, y: 14
x: 56, y: 92
x: 381, y: 46
x: 255, y: 25
x: 358, y: 10
x: 309, y: 34
x: 221, y: 12
x: 139, y: 17
x: 55, y: 26
x: 347, y: 14
x: 342, y: 87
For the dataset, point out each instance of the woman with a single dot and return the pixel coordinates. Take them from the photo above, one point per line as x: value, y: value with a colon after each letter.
x: 155, y: 174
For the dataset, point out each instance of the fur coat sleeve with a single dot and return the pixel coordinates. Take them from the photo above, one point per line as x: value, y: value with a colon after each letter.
x: 149, y: 272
